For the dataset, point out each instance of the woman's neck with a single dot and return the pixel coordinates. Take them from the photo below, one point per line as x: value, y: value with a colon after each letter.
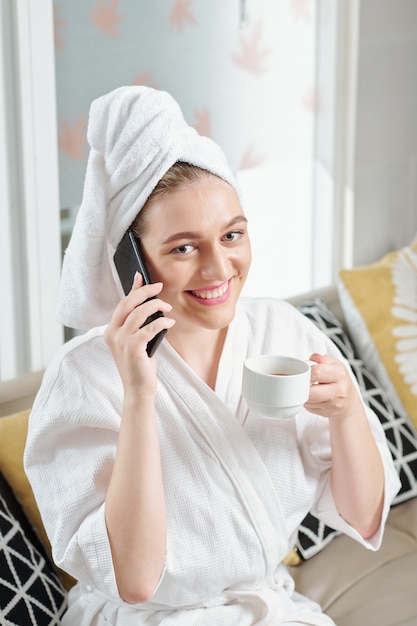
x: 201, y: 350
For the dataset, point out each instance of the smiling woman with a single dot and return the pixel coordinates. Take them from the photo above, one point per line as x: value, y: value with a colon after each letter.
x: 191, y: 466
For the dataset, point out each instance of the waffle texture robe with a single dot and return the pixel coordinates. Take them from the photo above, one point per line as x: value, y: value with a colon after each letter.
x: 236, y: 485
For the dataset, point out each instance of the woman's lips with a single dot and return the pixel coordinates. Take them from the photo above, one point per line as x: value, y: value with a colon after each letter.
x: 211, y: 296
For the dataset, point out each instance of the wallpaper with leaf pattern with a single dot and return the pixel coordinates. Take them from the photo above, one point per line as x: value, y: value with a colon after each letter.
x: 242, y: 71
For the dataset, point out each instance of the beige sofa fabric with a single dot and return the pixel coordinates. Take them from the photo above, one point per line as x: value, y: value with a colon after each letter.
x: 358, y: 587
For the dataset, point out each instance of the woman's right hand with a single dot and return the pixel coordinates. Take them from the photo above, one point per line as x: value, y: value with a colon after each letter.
x: 127, y: 338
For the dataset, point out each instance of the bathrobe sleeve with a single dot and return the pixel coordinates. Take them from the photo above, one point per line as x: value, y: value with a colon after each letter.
x: 69, y: 454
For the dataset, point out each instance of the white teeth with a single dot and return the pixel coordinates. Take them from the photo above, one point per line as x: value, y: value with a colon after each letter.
x: 210, y: 295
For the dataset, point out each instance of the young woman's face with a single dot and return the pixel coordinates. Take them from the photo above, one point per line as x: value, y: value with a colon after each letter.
x: 196, y: 243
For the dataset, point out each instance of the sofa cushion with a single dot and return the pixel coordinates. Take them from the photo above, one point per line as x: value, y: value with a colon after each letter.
x: 30, y: 589
x: 13, y: 433
x: 386, y: 597
x: 19, y: 514
x: 367, y: 587
x: 379, y: 302
x: 402, y: 440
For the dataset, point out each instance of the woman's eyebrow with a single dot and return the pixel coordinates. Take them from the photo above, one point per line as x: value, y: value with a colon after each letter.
x: 189, y: 234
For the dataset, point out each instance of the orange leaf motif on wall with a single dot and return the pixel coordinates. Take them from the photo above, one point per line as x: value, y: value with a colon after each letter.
x: 310, y: 99
x: 301, y: 9
x: 58, y: 24
x: 180, y: 14
x: 144, y: 78
x: 71, y: 138
x: 249, y: 159
x: 106, y: 17
x: 251, y: 55
x: 203, y: 122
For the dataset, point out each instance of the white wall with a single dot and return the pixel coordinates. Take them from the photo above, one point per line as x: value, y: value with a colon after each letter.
x: 385, y: 164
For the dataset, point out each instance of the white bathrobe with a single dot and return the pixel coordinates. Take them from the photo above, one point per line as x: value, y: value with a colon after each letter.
x: 236, y: 485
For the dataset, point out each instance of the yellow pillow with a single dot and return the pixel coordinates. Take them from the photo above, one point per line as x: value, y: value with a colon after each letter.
x: 13, y: 433
x: 379, y: 302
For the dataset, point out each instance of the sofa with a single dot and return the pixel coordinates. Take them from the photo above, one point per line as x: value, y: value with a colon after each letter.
x: 356, y: 587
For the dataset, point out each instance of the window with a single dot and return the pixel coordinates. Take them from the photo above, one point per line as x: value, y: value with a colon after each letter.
x: 29, y: 193
x: 258, y: 77
x: 243, y: 73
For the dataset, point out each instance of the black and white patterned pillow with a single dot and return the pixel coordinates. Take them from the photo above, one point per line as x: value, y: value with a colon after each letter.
x: 31, y: 593
x: 401, y: 436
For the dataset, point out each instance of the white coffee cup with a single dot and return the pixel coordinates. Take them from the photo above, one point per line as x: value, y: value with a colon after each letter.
x: 276, y: 386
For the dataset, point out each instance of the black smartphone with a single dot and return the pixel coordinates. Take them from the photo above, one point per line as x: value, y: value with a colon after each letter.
x: 128, y: 260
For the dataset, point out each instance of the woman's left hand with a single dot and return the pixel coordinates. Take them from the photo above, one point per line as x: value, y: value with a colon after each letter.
x: 357, y: 476
x: 332, y: 393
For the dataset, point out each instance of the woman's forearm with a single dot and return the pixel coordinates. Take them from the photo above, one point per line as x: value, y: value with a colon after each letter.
x: 357, y: 477
x: 135, y: 504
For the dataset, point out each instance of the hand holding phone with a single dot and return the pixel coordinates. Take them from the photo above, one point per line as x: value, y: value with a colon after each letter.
x: 128, y: 260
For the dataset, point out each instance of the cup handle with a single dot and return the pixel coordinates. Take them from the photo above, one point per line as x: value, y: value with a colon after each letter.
x: 311, y: 364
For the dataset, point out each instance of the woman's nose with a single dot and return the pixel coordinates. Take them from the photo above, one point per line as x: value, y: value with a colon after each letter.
x: 214, y: 264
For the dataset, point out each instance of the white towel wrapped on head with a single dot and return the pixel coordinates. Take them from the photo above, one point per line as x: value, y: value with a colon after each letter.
x: 135, y: 134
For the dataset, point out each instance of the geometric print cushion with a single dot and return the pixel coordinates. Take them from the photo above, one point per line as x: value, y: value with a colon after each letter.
x: 30, y: 591
x: 401, y: 436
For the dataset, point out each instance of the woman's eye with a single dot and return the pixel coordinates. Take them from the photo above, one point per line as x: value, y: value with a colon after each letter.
x: 234, y: 235
x: 184, y: 249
